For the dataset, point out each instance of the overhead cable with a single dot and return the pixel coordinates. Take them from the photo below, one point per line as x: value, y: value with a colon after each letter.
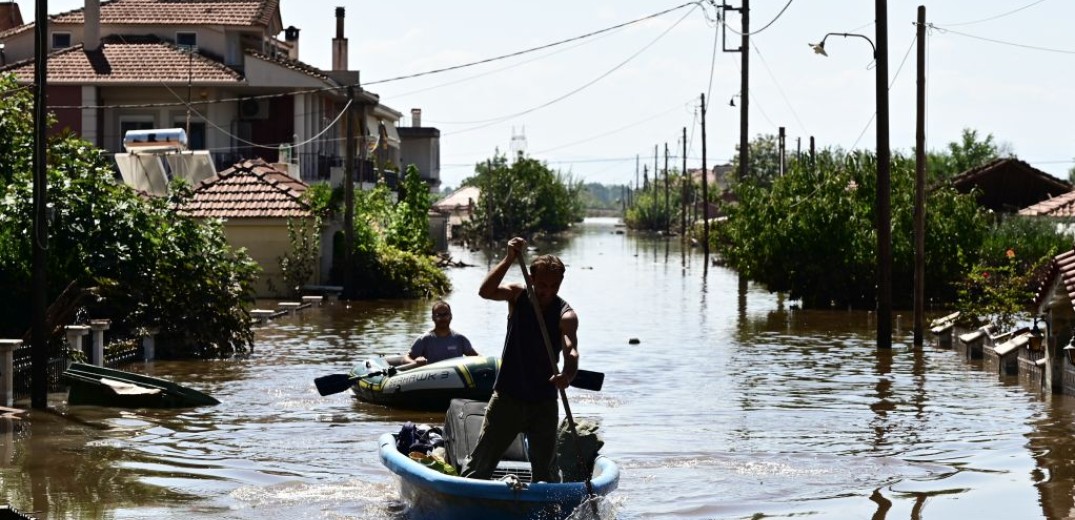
x: 766, y: 26
x: 533, y: 49
x: 1002, y: 15
x: 943, y: 29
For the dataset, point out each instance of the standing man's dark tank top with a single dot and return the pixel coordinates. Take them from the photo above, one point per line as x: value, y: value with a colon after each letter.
x: 525, y: 369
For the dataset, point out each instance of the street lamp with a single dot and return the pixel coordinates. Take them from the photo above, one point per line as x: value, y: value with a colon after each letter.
x: 819, y: 48
x: 884, y: 186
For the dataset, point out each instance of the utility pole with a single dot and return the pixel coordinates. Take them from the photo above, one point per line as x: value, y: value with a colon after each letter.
x: 349, y: 197
x: 656, y: 194
x: 636, y: 185
x: 783, y: 146
x: 744, y: 84
x: 667, y: 207
x: 884, y: 186
x: 705, y: 197
x: 920, y: 185
x: 684, y: 181
x: 39, y: 344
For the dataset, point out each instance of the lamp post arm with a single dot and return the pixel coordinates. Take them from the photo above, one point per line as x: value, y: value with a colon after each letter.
x: 856, y: 35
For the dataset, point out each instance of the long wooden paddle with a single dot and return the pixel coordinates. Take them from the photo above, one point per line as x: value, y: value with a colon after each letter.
x: 540, y: 317
x: 336, y: 383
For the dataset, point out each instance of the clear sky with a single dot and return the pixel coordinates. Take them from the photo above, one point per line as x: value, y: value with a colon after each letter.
x: 590, y: 106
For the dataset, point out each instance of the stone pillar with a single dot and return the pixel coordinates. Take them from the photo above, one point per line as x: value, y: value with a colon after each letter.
x: 74, y: 341
x: 99, y: 327
x: 7, y: 370
x: 149, y: 344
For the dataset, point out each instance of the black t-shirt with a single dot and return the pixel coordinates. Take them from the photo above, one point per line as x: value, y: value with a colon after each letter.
x: 525, y: 369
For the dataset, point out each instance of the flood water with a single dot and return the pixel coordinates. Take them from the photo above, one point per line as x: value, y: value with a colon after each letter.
x: 733, y: 405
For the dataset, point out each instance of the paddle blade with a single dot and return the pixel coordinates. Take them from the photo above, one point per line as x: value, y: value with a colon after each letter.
x: 333, y: 383
x: 588, y: 380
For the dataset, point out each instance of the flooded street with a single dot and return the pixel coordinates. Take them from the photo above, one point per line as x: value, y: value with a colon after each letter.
x: 733, y: 405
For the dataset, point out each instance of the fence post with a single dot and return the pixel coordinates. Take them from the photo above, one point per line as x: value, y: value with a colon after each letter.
x: 149, y: 344
x: 99, y: 327
x: 74, y: 341
x: 7, y: 370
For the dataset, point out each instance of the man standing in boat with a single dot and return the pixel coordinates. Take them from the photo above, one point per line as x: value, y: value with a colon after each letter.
x: 526, y: 389
x: 440, y: 343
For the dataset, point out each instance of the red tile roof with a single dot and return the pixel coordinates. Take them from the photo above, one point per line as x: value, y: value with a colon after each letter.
x: 171, y: 12
x: 290, y: 64
x: 1059, y: 206
x: 129, y: 59
x: 1062, y: 266
x: 250, y: 189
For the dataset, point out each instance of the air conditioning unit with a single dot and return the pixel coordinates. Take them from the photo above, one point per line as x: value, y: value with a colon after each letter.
x: 253, y: 109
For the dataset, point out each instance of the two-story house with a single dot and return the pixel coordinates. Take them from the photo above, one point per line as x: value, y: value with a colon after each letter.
x: 215, y: 68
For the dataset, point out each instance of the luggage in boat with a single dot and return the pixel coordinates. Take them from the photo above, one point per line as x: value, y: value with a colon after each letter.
x: 462, y: 427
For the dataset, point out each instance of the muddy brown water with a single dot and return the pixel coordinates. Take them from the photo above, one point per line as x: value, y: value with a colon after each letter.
x: 733, y: 405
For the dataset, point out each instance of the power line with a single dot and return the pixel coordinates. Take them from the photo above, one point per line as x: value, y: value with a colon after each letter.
x: 1001, y: 42
x: 890, y: 84
x: 533, y: 49
x: 766, y: 26
x: 501, y: 119
x: 779, y: 89
x: 611, y: 132
x: 1002, y: 15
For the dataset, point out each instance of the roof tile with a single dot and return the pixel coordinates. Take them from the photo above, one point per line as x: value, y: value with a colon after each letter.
x: 250, y: 189
x: 123, y: 59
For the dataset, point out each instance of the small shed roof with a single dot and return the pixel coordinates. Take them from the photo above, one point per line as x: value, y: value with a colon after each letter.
x: 458, y: 199
x: 249, y: 189
x: 1060, y: 206
x: 1007, y: 185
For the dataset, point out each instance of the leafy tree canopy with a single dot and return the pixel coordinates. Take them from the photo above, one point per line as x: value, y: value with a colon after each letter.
x: 151, y: 267
x: 523, y: 197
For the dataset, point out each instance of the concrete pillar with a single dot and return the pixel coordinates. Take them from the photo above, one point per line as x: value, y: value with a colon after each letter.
x: 74, y: 341
x: 7, y: 370
x: 98, y: 327
x: 149, y: 344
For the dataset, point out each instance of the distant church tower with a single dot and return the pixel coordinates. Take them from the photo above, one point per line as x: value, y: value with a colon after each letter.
x: 518, y: 144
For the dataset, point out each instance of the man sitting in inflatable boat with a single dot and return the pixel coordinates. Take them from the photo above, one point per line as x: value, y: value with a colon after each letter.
x: 440, y: 343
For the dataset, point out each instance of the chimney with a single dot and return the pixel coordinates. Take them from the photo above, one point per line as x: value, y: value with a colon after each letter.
x: 91, y: 30
x: 10, y: 16
x: 416, y: 117
x: 291, y: 35
x: 339, y: 44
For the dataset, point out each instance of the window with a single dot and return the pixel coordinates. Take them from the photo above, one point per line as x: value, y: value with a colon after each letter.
x: 187, y: 39
x: 61, y: 40
x: 196, y: 135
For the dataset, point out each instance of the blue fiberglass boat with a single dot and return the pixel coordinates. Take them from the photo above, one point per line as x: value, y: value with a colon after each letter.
x: 432, y: 494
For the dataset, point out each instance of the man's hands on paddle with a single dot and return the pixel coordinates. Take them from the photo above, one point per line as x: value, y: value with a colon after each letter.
x: 515, y: 247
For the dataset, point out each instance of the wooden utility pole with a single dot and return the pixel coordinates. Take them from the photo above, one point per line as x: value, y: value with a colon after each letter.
x: 684, y: 181
x: 349, y: 197
x: 705, y: 197
x: 920, y: 185
x: 656, y: 194
x: 744, y: 91
x: 884, y: 185
x: 667, y: 206
x: 39, y: 341
x: 780, y: 145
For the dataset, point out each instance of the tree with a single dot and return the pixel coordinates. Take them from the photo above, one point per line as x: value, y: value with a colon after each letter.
x: 150, y: 267
x: 811, y: 233
x: 764, y: 159
x: 960, y: 156
x: 522, y: 198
